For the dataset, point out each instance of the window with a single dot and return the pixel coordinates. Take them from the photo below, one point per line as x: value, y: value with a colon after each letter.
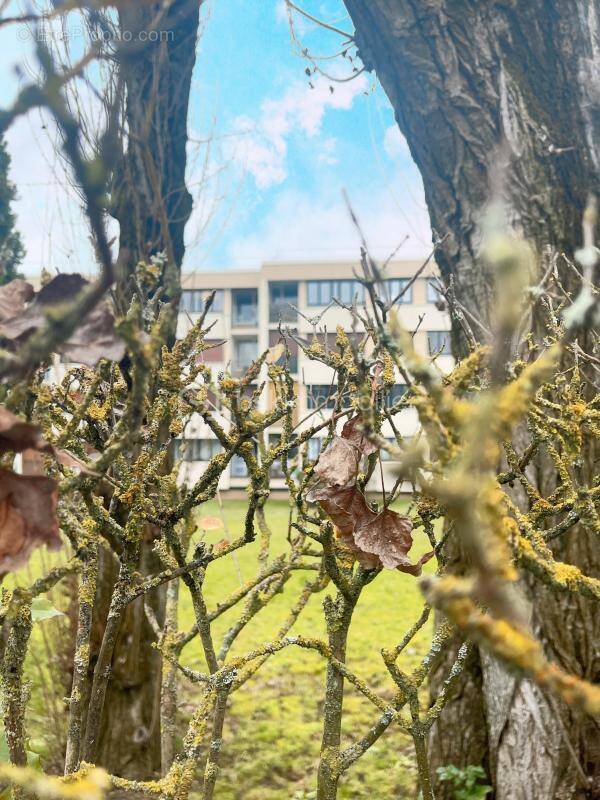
x: 396, y: 393
x: 238, y: 467
x: 320, y: 394
x: 245, y: 307
x: 321, y: 293
x: 433, y: 296
x: 438, y: 343
x: 245, y: 351
x: 324, y: 396
x: 275, y: 338
x: 397, y: 285
x: 214, y: 353
x: 283, y: 295
x: 196, y: 449
x: 313, y: 450
x: 192, y: 300
x: 392, y: 395
x: 385, y: 456
x: 276, y: 470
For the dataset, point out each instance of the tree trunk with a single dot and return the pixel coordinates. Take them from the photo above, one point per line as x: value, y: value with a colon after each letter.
x: 150, y: 197
x: 152, y: 204
x: 464, y: 76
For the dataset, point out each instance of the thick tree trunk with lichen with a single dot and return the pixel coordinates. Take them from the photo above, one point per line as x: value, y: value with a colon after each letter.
x: 152, y: 204
x: 464, y: 76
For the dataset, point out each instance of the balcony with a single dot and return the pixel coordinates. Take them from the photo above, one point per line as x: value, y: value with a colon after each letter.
x: 245, y: 308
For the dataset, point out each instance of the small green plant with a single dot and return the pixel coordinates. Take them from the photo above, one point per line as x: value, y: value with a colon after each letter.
x: 465, y: 781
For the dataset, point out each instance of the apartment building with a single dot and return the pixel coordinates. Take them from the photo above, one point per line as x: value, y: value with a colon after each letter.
x: 245, y: 316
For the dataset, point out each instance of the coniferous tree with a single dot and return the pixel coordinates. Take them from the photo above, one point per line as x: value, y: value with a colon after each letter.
x: 11, y: 246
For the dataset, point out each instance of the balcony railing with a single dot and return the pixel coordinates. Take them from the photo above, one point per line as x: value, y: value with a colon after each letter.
x: 245, y: 316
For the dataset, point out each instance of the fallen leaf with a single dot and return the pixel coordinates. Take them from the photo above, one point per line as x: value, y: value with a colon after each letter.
x: 211, y: 523
x: 375, y: 539
x: 27, y: 517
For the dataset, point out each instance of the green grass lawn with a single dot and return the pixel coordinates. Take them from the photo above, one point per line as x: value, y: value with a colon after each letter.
x: 273, y: 729
x: 272, y: 734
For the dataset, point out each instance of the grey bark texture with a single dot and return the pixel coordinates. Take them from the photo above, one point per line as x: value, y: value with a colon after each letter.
x: 464, y: 76
x: 152, y: 204
x: 150, y: 198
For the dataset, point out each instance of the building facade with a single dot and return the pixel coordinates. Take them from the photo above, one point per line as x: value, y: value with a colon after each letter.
x: 245, y: 318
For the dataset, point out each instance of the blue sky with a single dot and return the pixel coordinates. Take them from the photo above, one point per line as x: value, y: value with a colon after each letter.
x: 270, y: 184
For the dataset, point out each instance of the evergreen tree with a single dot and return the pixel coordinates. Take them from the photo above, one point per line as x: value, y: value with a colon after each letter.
x: 11, y: 246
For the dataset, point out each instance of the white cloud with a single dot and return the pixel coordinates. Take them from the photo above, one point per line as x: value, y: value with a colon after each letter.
x: 327, y: 151
x: 48, y: 210
x: 281, y: 11
x: 394, y: 143
x: 301, y: 23
x: 307, y: 227
x: 262, y: 146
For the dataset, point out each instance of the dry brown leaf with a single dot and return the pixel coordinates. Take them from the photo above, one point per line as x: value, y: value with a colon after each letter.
x: 16, y: 435
x: 275, y: 353
x: 345, y: 507
x: 416, y: 569
x: 352, y: 432
x: 211, y: 523
x: 338, y: 464
x: 375, y: 539
x: 389, y: 536
x: 13, y: 297
x: 27, y: 517
x: 95, y: 338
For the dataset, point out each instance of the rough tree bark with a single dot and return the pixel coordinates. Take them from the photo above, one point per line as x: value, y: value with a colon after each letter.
x: 151, y: 200
x: 152, y: 204
x: 462, y: 76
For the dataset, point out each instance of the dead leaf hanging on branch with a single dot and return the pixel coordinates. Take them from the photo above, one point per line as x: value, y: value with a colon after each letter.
x: 27, y: 517
x: 16, y: 435
x: 376, y: 539
x: 28, y: 502
x: 354, y: 433
x: 338, y: 464
x: 13, y: 297
x: 389, y: 536
x: 23, y: 312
